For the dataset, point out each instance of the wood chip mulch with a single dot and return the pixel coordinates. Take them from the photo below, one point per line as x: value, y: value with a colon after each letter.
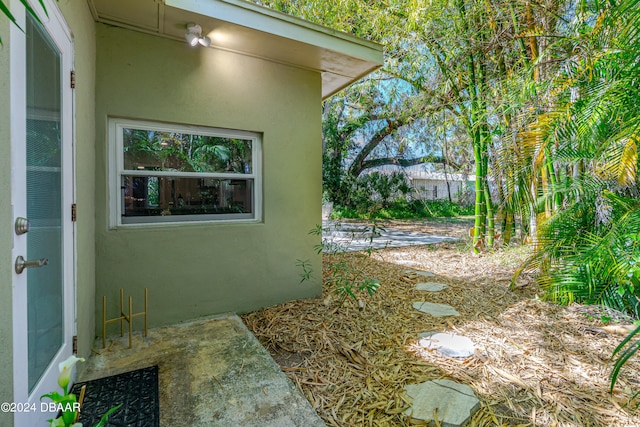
x: 536, y: 364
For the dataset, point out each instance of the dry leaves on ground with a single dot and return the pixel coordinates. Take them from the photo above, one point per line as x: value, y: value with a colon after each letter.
x: 536, y: 364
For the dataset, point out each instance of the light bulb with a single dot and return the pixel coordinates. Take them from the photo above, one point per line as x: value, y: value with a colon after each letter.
x: 192, y: 39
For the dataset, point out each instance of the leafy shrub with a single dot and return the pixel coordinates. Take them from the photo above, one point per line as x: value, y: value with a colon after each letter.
x: 341, y: 272
x: 404, y: 209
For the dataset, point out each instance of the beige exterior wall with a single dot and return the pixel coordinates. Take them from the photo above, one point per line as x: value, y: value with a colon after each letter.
x: 194, y: 270
x: 6, y: 231
x: 83, y: 28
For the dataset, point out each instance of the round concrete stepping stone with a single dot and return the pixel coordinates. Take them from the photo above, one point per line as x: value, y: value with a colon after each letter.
x: 455, y: 403
x: 437, y: 310
x: 425, y: 274
x: 419, y: 273
x: 431, y: 287
x: 448, y: 345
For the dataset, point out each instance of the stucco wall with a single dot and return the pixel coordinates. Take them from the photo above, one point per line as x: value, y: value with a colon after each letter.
x: 6, y: 236
x: 82, y: 26
x: 196, y: 269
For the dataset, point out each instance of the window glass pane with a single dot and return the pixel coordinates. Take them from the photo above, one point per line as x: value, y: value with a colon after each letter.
x: 183, y: 152
x: 161, y: 197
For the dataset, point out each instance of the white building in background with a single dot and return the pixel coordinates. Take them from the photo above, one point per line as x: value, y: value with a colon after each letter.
x: 431, y: 185
x: 438, y: 185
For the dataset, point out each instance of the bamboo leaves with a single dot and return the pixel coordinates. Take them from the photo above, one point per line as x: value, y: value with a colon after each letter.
x: 5, y: 10
x: 628, y: 165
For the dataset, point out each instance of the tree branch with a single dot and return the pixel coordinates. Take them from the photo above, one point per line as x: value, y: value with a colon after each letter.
x: 356, y: 167
x: 398, y: 161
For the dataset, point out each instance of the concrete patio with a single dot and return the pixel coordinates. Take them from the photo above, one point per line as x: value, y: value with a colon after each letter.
x: 212, y: 372
x: 348, y: 237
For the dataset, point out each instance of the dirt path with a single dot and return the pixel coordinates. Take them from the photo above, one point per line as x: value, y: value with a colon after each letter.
x: 537, y: 364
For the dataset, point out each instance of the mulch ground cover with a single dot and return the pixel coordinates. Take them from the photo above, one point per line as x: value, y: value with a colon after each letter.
x: 536, y: 363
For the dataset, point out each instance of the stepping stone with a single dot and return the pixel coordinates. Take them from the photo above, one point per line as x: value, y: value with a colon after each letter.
x: 420, y: 273
x: 455, y: 403
x: 425, y: 274
x: 448, y: 345
x: 431, y: 287
x: 437, y: 310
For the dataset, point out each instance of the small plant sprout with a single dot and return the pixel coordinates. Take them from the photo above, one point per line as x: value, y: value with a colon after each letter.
x: 344, y: 275
x: 67, y: 403
x: 307, y: 270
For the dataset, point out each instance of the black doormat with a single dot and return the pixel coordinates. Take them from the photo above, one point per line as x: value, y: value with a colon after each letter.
x: 137, y: 391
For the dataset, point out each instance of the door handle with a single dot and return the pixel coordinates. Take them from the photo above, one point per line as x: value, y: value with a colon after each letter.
x: 22, y: 225
x: 21, y: 263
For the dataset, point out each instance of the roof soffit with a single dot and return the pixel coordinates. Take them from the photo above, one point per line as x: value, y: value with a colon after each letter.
x: 246, y: 28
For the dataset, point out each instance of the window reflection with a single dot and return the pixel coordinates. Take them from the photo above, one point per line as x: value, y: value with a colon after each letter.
x: 183, y: 152
x: 164, y: 196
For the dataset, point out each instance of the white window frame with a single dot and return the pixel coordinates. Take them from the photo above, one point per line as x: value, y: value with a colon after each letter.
x: 116, y: 171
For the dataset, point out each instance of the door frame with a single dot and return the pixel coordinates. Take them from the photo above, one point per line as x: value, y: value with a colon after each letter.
x: 59, y: 32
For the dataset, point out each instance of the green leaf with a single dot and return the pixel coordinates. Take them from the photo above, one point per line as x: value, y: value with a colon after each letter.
x: 105, y: 418
x: 33, y: 12
x: 624, y: 356
x: 54, y: 396
x: 9, y: 15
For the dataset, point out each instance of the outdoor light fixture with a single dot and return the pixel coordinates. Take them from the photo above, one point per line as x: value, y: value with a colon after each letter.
x: 194, y: 36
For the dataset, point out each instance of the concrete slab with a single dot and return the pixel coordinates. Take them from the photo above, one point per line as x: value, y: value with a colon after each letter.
x: 455, y: 403
x: 348, y: 237
x: 448, y: 345
x: 431, y: 287
x: 437, y: 310
x: 212, y: 372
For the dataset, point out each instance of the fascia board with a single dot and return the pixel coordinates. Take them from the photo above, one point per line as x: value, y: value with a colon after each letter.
x: 273, y: 22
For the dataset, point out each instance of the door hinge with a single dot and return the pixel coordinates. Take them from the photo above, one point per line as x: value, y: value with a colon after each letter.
x: 73, y: 79
x: 74, y: 213
x: 74, y: 344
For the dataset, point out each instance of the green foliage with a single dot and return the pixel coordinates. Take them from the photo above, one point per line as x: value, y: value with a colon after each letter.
x: 346, y: 276
x: 549, y: 97
x: 67, y: 402
x: 625, y: 351
x: 590, y: 253
x: 105, y: 418
x: 347, y: 279
x: 577, y: 157
x: 588, y: 250
x: 405, y: 209
x: 307, y: 269
x: 172, y: 151
x: 384, y: 186
x: 386, y: 118
x: 375, y: 189
x: 5, y: 10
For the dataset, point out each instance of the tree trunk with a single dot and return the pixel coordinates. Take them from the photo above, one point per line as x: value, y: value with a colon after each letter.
x: 478, y: 231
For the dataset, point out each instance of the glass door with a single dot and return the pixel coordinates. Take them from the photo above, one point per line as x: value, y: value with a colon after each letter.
x: 45, y: 286
x: 43, y: 281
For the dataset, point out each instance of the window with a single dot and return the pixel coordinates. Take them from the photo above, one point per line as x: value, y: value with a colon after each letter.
x: 171, y: 173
